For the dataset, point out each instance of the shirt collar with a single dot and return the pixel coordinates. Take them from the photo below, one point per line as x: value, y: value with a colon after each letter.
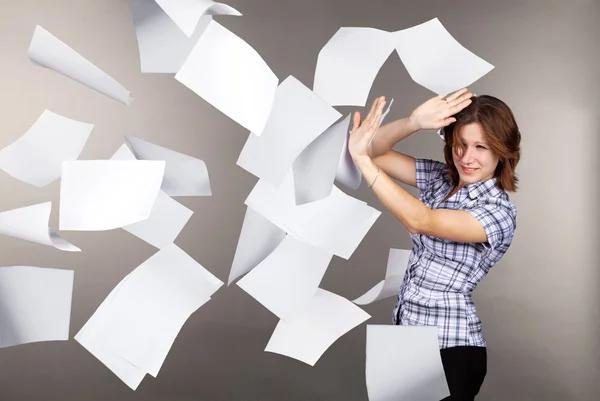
x: 481, y: 188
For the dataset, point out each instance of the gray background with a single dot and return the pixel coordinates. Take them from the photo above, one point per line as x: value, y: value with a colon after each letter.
x: 539, y: 305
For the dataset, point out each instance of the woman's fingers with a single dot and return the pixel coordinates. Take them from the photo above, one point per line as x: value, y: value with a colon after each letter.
x: 356, y: 121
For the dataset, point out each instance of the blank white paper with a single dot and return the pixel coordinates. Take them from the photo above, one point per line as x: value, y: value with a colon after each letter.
x: 100, y: 195
x: 315, y: 168
x: 435, y: 60
x: 48, y: 51
x: 91, y: 337
x: 298, y: 117
x: 31, y: 224
x: 336, y: 224
x: 162, y: 46
x: 404, y: 363
x: 213, y: 70
x: 309, y: 334
x: 258, y: 238
x: 184, y: 175
x: 167, y: 219
x: 394, y: 275
x: 287, y: 279
x: 348, y: 64
x: 153, y: 303
x: 35, y: 304
x: 186, y: 13
x: 36, y: 157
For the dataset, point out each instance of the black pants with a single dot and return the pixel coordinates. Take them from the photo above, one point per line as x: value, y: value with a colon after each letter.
x: 465, y: 369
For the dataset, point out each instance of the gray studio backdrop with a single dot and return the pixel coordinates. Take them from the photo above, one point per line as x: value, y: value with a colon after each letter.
x: 539, y: 305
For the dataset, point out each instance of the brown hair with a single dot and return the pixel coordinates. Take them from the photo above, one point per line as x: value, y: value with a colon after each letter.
x: 501, y: 131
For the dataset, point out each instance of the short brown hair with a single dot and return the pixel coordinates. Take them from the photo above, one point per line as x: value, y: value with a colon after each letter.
x: 502, y: 133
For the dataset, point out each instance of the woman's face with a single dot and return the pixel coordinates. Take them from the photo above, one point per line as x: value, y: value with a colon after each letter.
x: 476, y: 161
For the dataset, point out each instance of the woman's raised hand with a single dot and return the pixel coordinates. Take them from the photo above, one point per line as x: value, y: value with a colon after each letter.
x: 437, y: 112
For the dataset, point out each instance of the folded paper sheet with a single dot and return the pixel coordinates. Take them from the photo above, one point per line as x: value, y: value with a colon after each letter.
x: 286, y: 280
x: 432, y: 57
x: 258, y: 238
x: 186, y: 13
x: 184, y: 175
x: 167, y: 219
x: 48, y: 51
x: 163, y: 47
x: 100, y: 195
x: 31, y: 224
x: 35, y: 304
x: 310, y: 333
x: 404, y: 363
x: 212, y: 71
x: 36, y: 157
x: 298, y: 117
x: 134, y: 329
x: 336, y: 224
x: 315, y: 168
x: 394, y: 275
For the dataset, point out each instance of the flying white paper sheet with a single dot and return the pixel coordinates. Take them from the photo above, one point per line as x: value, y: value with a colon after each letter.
x: 315, y: 168
x: 286, y: 280
x: 394, y: 274
x: 258, y: 238
x: 35, y: 304
x: 91, y: 338
x: 309, y: 334
x: 347, y: 172
x: 36, y: 157
x: 167, y: 219
x: 213, y: 71
x: 153, y: 303
x: 404, y: 363
x: 336, y: 224
x: 163, y: 47
x: 348, y: 64
x: 31, y: 224
x: 50, y: 52
x: 298, y: 117
x: 187, y: 13
x: 435, y: 60
x: 100, y: 195
x: 184, y: 175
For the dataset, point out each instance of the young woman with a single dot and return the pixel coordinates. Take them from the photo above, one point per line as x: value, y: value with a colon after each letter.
x: 462, y: 223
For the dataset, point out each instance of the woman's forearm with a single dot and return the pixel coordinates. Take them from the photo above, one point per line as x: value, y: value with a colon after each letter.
x: 390, y: 134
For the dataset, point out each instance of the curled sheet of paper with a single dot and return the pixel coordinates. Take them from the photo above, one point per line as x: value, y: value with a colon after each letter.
x: 404, y: 363
x: 435, y: 60
x: 286, y: 280
x: 212, y: 71
x: 351, y: 55
x: 309, y: 334
x: 187, y: 13
x: 298, y: 117
x: 35, y: 304
x: 337, y: 223
x: 98, y: 195
x: 31, y: 224
x: 167, y: 219
x: 258, y: 238
x: 48, y: 51
x: 36, y: 157
x: 184, y: 175
x: 315, y: 168
x: 394, y: 274
x: 162, y: 46
x: 347, y: 172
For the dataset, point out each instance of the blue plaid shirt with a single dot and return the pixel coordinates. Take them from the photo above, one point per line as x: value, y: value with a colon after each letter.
x: 442, y: 274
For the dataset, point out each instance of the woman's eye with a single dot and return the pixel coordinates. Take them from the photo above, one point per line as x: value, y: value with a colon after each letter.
x: 481, y: 147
